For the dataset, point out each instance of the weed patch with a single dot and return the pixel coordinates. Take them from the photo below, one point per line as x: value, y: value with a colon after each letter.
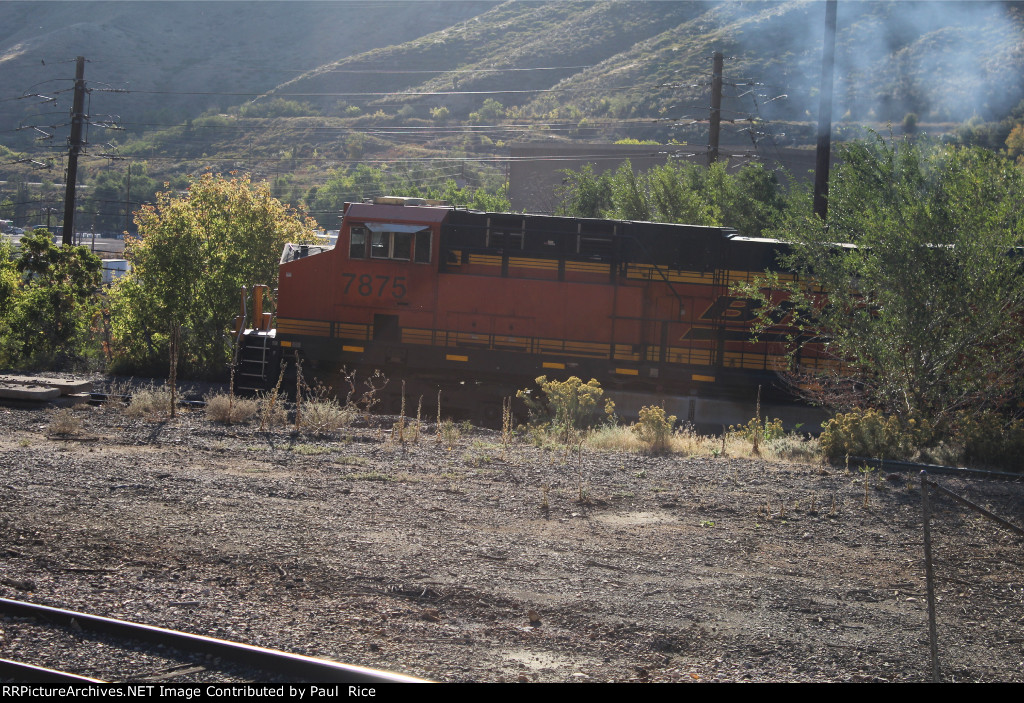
x: 224, y: 409
x: 566, y: 406
x: 654, y: 428
x: 323, y: 416
x: 63, y: 423
x: 150, y: 402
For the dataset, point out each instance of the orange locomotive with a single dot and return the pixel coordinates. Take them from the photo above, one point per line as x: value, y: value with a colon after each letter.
x: 479, y: 304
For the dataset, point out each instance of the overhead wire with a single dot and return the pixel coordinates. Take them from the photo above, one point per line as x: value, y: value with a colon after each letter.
x: 409, y: 132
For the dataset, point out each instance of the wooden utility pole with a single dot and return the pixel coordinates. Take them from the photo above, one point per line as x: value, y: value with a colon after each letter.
x: 128, y: 200
x: 716, y: 108
x: 824, y: 151
x: 74, y: 147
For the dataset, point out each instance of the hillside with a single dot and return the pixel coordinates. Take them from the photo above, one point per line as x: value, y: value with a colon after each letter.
x: 946, y: 61
x: 180, y: 59
x: 298, y: 92
x: 513, y: 49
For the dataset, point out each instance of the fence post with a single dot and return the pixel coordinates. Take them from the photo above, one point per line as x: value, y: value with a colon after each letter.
x: 929, y: 577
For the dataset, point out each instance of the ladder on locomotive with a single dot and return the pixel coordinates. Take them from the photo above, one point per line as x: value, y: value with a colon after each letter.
x: 254, y: 350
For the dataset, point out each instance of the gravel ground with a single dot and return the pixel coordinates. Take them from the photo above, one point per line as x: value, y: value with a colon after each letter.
x: 485, y: 563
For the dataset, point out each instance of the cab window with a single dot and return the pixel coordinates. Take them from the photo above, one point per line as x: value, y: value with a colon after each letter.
x: 383, y: 243
x: 357, y: 243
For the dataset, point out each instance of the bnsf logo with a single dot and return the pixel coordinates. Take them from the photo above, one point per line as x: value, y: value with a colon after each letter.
x: 733, y: 309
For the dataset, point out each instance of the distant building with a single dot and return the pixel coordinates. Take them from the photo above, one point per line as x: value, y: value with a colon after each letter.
x: 114, y: 269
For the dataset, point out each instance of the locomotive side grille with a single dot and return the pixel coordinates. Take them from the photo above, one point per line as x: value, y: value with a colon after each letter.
x: 313, y: 328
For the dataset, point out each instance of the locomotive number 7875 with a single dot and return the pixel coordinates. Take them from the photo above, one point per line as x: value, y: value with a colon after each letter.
x: 367, y: 285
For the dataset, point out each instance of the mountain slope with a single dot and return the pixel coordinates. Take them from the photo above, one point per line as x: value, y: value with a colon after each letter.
x: 180, y: 59
x: 945, y: 60
x: 477, y: 54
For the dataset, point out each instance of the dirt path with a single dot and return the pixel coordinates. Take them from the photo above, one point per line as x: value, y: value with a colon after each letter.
x: 432, y: 561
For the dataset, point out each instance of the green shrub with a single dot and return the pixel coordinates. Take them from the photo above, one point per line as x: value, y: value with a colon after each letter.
x: 989, y: 438
x: 567, y: 406
x: 449, y: 433
x: 869, y: 433
x: 764, y: 430
x: 654, y: 428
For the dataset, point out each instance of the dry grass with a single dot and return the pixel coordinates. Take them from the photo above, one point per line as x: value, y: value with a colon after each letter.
x: 617, y: 438
x: 793, y: 447
x: 272, y: 411
x: 150, y: 402
x: 116, y: 392
x: 688, y: 442
x: 227, y: 410
x: 63, y: 422
x: 685, y: 441
x: 325, y: 416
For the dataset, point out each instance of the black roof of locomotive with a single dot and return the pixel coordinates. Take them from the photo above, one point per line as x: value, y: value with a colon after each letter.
x: 679, y: 246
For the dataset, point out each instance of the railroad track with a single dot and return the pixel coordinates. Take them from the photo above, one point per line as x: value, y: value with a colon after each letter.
x: 170, y: 656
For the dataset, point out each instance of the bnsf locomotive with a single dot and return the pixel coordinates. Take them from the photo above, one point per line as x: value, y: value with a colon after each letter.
x: 478, y: 304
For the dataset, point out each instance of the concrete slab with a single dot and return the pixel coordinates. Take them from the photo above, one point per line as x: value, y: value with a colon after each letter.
x: 11, y: 391
x: 65, y: 386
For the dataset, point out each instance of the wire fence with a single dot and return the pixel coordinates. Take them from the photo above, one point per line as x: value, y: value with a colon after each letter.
x: 974, y: 567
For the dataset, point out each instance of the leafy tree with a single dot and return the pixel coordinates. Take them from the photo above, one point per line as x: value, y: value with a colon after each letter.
x: 9, y: 280
x: 352, y: 185
x: 749, y: 200
x: 7, y: 208
x: 629, y: 196
x: 48, y: 303
x: 106, y: 199
x: 676, y: 195
x: 990, y: 135
x: 491, y: 111
x: 1015, y: 142
x: 193, y: 255
x: 585, y: 194
x: 473, y: 198
x: 921, y: 263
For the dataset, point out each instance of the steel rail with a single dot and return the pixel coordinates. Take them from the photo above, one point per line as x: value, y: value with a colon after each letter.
x: 297, y: 666
x: 30, y: 673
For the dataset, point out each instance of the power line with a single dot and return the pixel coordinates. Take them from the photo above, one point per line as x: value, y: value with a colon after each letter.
x: 318, y: 71
x: 378, y: 94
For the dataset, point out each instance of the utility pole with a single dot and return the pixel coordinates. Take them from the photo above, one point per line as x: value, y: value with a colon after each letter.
x: 716, y: 108
x: 127, y: 200
x: 824, y: 150
x: 74, y: 147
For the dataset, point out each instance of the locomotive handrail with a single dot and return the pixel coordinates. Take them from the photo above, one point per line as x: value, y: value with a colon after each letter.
x: 656, y: 267
x: 244, y: 316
